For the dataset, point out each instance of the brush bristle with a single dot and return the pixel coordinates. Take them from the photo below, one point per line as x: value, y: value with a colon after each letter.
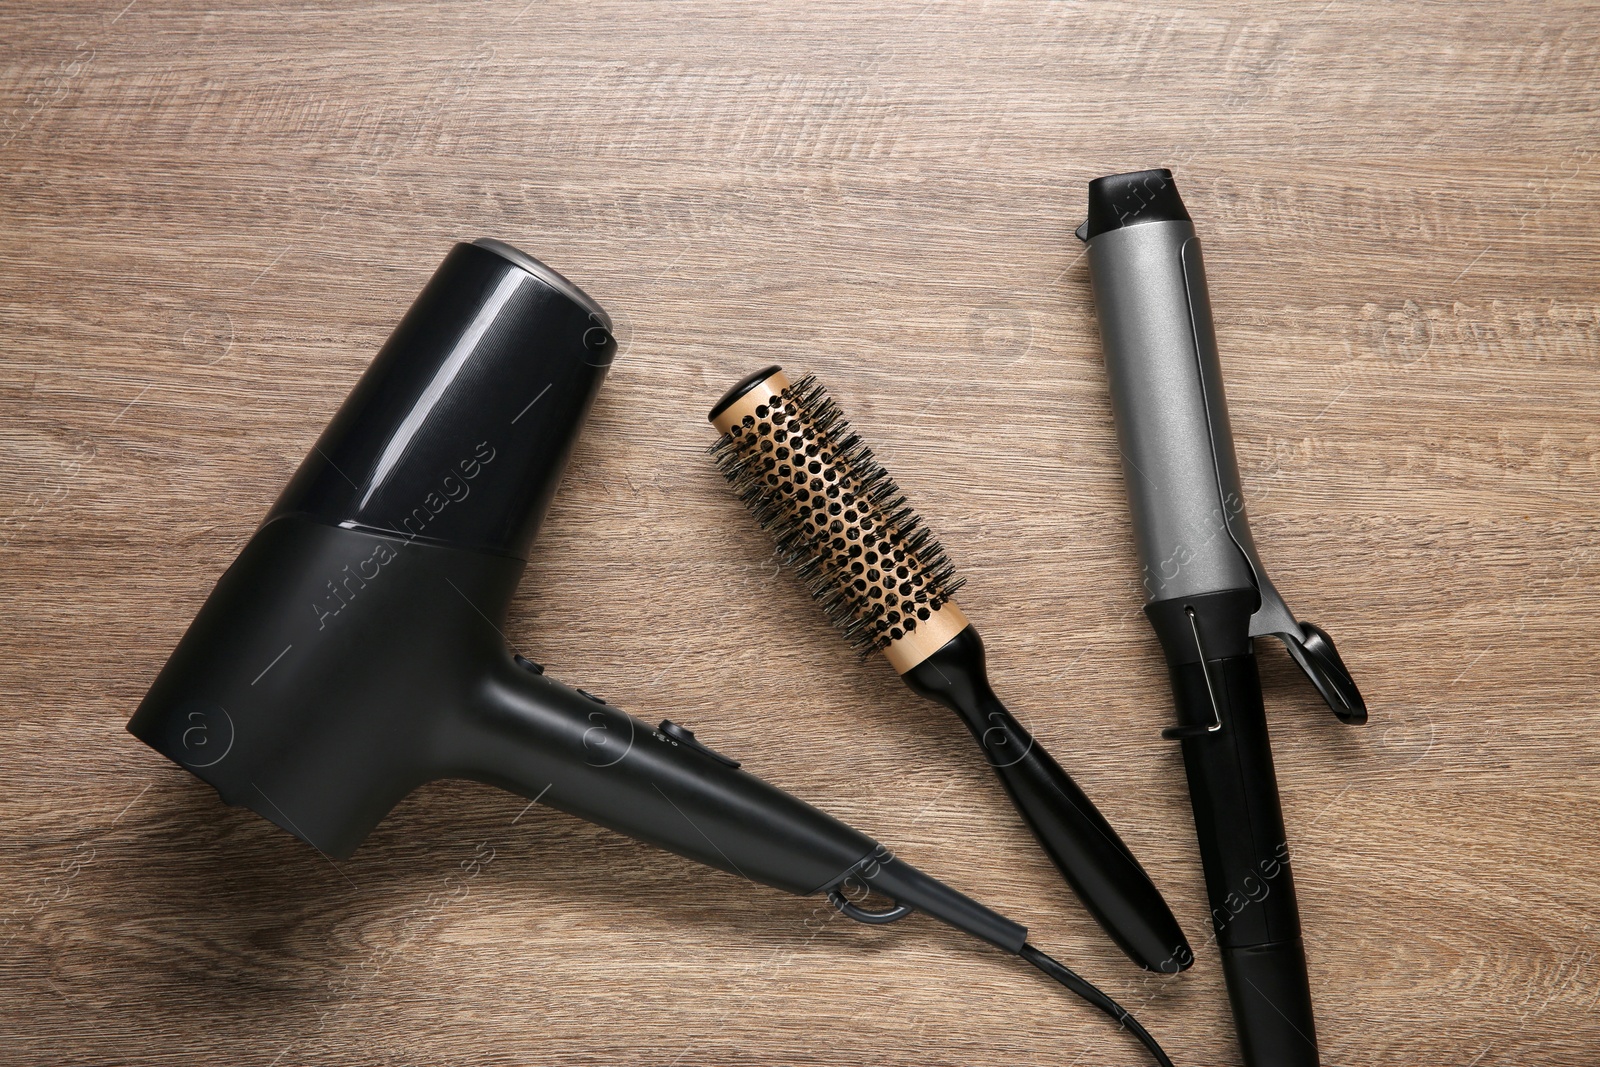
x: 837, y: 517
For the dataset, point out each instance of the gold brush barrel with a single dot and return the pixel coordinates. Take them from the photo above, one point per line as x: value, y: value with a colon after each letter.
x: 839, y: 518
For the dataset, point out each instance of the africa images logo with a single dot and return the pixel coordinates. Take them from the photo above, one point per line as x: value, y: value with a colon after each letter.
x: 205, y: 734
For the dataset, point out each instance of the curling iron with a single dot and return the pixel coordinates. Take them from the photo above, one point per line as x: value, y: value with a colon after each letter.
x: 1208, y: 595
x: 354, y: 649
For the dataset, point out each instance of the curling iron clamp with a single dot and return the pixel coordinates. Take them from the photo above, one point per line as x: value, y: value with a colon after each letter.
x: 1208, y: 595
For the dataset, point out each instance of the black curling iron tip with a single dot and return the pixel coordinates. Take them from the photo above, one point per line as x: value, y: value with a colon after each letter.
x: 1130, y: 199
x: 741, y: 387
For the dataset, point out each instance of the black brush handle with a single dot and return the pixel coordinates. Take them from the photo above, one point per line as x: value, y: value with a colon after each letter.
x: 1077, y: 838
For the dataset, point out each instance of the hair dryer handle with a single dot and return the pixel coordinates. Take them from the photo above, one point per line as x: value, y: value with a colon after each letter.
x: 572, y: 751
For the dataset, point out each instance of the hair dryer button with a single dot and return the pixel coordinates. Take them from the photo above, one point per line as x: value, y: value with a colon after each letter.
x: 528, y: 665
x: 676, y: 732
x: 685, y: 737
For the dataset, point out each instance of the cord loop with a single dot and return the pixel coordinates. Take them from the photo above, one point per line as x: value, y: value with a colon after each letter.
x: 862, y: 915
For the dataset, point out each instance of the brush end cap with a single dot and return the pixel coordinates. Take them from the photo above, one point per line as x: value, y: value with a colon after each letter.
x: 723, y: 415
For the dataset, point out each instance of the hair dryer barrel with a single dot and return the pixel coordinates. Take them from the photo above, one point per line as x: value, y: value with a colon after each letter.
x: 314, y: 683
x: 459, y: 430
x: 1166, y: 387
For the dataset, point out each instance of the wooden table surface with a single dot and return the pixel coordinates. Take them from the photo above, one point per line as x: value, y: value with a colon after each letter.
x: 211, y: 215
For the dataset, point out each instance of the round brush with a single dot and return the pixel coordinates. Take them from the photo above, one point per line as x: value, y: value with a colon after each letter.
x: 842, y: 524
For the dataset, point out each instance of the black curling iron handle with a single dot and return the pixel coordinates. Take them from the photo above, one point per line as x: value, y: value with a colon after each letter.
x: 1077, y: 838
x: 1245, y: 852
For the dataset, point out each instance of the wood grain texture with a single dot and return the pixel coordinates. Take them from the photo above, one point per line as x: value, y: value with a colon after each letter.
x: 212, y: 214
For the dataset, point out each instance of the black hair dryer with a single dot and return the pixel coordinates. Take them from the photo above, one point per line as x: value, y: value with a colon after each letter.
x: 354, y: 649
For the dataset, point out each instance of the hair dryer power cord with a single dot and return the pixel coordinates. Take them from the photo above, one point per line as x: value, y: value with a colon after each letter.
x: 1085, y: 989
x: 1050, y: 966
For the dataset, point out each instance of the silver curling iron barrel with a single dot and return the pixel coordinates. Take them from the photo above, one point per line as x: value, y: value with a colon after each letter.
x: 1207, y: 594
